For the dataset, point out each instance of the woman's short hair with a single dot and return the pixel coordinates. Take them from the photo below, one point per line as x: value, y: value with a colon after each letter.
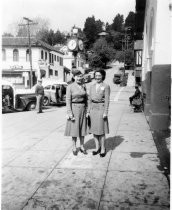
x: 102, y: 72
x: 76, y: 72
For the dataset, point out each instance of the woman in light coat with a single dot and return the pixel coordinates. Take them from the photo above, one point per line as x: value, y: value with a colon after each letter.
x: 76, y: 102
x: 98, y: 105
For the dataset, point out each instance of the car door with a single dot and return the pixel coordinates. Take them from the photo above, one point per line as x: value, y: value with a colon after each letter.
x: 53, y: 94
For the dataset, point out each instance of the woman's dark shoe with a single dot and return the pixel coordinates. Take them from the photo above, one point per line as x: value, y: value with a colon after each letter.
x: 83, y: 151
x: 103, y: 154
x: 75, y: 153
x: 97, y: 152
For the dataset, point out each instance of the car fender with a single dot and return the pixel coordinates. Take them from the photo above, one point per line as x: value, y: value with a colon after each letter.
x: 26, y: 99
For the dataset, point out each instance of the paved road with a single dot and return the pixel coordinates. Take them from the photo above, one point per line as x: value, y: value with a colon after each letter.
x: 40, y: 172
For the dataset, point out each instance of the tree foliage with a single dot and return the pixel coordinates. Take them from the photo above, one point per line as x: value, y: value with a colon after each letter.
x: 51, y: 37
x: 7, y: 35
x: 130, y: 20
x: 103, y: 51
x: 41, y: 24
x: 117, y: 24
x: 114, y: 38
x: 91, y: 30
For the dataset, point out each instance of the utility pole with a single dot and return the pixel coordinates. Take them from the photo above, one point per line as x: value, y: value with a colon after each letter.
x: 124, y: 50
x: 29, y: 22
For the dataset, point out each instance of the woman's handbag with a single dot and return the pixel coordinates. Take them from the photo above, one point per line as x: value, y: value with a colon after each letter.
x: 137, y: 101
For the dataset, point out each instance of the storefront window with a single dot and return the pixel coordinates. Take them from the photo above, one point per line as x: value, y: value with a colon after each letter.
x: 42, y: 54
x: 50, y: 72
x: 15, y: 55
x: 56, y: 73
x: 27, y: 55
x: 61, y: 61
x: 45, y: 55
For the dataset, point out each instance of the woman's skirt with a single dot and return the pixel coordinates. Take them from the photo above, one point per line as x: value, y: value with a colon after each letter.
x: 78, y: 127
x: 99, y: 126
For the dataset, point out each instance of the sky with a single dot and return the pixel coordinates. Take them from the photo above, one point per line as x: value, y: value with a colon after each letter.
x: 63, y: 14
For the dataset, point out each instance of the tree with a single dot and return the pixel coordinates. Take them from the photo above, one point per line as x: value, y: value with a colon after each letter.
x: 41, y: 25
x: 107, y: 27
x: 22, y: 31
x: 104, y: 51
x: 5, y: 34
x: 130, y: 20
x: 50, y: 37
x: 119, y: 56
x: 60, y: 37
x: 130, y: 24
x: 99, y: 26
x: 117, y: 24
x: 95, y: 60
x: 90, y: 32
x: 114, y: 38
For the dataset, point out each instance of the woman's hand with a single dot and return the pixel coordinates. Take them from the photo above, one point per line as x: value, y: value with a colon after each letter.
x: 70, y: 117
x: 104, y: 116
x: 87, y: 115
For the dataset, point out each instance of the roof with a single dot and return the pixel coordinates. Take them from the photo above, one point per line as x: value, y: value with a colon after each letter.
x: 103, y: 33
x: 24, y: 42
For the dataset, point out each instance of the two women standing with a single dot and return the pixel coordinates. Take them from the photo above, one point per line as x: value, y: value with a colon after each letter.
x: 79, y: 113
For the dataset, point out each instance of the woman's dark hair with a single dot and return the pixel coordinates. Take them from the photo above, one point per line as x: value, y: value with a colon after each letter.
x: 102, y: 72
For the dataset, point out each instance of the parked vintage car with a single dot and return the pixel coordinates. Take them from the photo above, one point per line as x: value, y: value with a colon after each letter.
x: 16, y: 100
x: 55, y: 93
x: 87, y: 78
x: 117, y: 78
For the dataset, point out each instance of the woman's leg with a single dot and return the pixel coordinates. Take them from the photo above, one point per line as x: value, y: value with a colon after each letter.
x: 82, y: 145
x: 81, y: 142
x: 74, y: 143
x: 102, y: 140
x: 96, y: 139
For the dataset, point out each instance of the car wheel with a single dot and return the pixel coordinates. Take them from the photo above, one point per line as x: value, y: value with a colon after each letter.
x: 46, y: 101
x: 31, y: 106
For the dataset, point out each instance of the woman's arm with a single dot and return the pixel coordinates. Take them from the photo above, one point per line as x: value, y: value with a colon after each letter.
x: 89, y: 101
x: 69, y: 101
x: 107, y: 98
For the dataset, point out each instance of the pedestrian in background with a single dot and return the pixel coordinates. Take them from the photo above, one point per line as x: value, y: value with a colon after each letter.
x: 76, y: 103
x: 136, y: 99
x: 39, y: 91
x: 98, y: 105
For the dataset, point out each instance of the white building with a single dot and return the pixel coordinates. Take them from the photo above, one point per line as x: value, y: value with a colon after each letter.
x: 47, y: 61
x: 153, y: 25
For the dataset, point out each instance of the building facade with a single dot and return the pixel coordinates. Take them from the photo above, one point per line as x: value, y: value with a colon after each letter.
x: 153, y: 27
x: 47, y: 62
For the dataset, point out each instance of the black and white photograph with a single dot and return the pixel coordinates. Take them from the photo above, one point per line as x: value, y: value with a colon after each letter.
x: 86, y: 104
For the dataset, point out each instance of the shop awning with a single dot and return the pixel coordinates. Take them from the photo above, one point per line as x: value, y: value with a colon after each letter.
x: 66, y: 70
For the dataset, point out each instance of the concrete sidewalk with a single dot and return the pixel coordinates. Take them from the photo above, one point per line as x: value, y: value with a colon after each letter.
x: 46, y: 175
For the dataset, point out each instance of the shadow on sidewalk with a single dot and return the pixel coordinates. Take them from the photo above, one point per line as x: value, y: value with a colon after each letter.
x: 110, y: 143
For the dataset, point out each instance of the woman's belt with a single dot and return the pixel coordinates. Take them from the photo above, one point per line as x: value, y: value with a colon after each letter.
x: 97, y: 102
x: 78, y: 102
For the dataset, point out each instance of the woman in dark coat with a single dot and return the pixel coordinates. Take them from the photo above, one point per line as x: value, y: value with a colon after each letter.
x: 98, y: 105
x: 76, y: 102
